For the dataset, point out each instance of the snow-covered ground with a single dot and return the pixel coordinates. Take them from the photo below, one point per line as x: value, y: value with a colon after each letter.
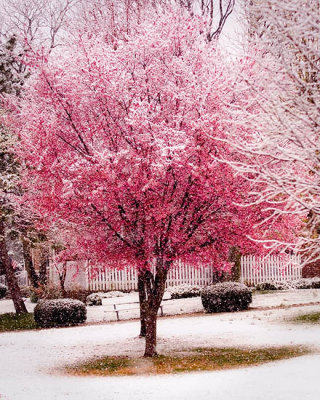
x: 128, y: 306
x: 31, y: 361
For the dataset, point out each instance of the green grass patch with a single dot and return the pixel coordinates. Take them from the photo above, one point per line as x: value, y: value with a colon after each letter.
x: 16, y: 322
x: 201, y: 359
x: 311, y: 318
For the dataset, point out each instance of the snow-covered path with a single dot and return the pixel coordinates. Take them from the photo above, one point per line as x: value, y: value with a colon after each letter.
x: 30, y: 361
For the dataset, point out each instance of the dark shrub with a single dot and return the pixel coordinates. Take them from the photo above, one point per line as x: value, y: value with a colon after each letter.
x: 307, y: 283
x: 315, y: 283
x: 3, y: 290
x: 184, y: 291
x: 272, y: 285
x: 303, y: 283
x: 59, y: 312
x: 94, y: 300
x: 226, y: 296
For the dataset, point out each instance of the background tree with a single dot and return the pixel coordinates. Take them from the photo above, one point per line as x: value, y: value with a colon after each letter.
x: 278, y: 101
x: 36, y: 23
x: 122, y: 16
x: 8, y: 175
x: 11, y: 79
x: 24, y: 27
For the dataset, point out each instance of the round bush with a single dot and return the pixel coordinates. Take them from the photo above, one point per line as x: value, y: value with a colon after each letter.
x: 3, y: 290
x: 94, y: 300
x: 226, y: 296
x: 59, y: 312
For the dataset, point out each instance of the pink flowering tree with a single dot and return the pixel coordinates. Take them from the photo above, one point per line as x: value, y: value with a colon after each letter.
x: 121, y: 148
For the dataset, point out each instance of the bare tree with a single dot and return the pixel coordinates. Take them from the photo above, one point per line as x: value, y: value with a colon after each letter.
x: 121, y: 16
x: 276, y: 98
x: 216, y: 12
x: 36, y: 22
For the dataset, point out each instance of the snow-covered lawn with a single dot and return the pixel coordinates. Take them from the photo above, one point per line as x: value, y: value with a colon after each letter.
x: 128, y: 306
x: 31, y: 361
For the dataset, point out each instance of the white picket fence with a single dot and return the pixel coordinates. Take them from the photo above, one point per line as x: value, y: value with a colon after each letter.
x: 127, y: 278
x: 255, y: 269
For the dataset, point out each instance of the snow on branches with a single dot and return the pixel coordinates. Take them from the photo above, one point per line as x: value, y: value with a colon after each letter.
x: 277, y: 99
x: 121, y: 142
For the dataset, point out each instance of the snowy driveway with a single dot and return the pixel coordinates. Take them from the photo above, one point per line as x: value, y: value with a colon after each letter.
x: 30, y: 361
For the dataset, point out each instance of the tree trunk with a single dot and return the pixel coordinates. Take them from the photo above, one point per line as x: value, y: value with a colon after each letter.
x: 62, y: 279
x: 151, y: 333
x: 10, y: 275
x: 44, y: 266
x: 235, y: 257
x: 151, y: 293
x: 142, y: 302
x: 32, y: 275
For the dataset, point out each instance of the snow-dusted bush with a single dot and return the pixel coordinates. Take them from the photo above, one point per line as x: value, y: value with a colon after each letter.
x: 226, y: 296
x: 273, y: 285
x: 184, y: 291
x: 109, y: 295
x: 3, y: 290
x: 307, y: 283
x: 59, y: 312
x: 94, y: 300
x: 315, y: 283
x: 303, y: 283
